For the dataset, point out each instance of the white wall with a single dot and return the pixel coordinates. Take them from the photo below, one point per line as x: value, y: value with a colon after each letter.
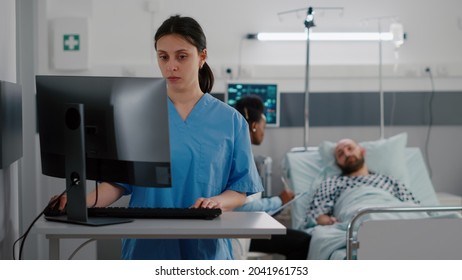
x: 121, y: 43
x: 121, y: 39
x: 8, y: 46
x: 9, y: 176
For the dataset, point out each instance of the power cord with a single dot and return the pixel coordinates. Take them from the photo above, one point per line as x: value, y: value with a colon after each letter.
x: 80, y: 247
x: 393, y: 107
x: 96, y: 195
x: 430, y: 119
x: 239, y: 59
x: 23, y: 237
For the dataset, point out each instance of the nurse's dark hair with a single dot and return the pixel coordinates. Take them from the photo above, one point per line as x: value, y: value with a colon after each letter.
x: 190, y: 30
x: 251, y: 107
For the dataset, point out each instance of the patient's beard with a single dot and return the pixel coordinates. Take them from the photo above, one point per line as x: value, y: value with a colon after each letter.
x: 352, y: 167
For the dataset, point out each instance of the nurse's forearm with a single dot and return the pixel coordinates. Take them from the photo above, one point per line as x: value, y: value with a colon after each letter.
x: 230, y: 199
x: 107, y: 194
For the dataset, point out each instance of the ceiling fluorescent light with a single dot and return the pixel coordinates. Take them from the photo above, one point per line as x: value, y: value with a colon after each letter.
x: 322, y: 36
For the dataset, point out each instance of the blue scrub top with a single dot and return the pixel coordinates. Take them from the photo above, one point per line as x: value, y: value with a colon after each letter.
x: 210, y: 153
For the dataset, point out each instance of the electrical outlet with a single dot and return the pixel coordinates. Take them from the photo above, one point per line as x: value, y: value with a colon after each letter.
x: 228, y: 71
x: 236, y: 72
x: 246, y: 72
x: 442, y: 71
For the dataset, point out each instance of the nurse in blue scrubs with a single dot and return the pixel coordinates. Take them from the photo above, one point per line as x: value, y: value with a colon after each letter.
x: 212, y: 162
x: 211, y: 159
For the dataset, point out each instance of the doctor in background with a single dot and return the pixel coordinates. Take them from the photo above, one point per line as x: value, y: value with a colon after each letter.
x: 295, y: 244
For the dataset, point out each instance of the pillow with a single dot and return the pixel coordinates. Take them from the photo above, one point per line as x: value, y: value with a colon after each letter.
x: 300, y: 169
x: 385, y: 156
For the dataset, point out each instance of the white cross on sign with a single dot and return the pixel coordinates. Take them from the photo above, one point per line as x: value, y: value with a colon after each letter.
x: 71, y: 42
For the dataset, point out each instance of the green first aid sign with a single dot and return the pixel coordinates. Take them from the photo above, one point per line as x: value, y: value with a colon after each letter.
x: 71, y: 42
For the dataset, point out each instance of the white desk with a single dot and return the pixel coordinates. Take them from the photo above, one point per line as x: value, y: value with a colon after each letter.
x: 228, y: 225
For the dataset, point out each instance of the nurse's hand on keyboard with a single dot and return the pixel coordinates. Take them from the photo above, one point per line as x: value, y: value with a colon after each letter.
x: 203, y: 202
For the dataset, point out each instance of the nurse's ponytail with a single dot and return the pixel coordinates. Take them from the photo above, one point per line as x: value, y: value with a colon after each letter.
x: 206, y: 78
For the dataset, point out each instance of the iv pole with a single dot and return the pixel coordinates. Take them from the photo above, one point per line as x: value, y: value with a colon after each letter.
x: 382, y: 110
x: 309, y: 22
x: 381, y: 93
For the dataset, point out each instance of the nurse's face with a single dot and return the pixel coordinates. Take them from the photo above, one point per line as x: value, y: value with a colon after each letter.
x: 179, y: 62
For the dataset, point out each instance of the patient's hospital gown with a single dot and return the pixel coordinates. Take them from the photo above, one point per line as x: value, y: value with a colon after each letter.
x: 332, y: 188
x: 210, y: 153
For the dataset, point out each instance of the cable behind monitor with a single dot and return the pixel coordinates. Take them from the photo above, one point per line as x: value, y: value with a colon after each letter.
x: 430, y: 120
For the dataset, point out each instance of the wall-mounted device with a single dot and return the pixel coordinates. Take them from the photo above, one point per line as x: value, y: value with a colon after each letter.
x: 267, y: 92
x: 10, y: 123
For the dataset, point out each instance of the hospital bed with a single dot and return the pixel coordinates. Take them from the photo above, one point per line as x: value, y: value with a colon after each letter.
x: 428, y: 231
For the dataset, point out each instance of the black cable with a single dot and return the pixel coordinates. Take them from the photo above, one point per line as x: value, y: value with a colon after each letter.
x: 96, y: 195
x: 393, y: 107
x: 23, y: 237
x: 52, y: 202
x: 80, y: 247
x: 239, y: 59
x: 430, y: 119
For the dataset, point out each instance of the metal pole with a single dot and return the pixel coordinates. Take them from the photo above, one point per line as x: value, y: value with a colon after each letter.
x: 382, y: 117
x: 307, y: 92
x: 382, y: 102
x: 309, y: 22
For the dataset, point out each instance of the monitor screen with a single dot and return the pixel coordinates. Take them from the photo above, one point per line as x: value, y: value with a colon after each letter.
x: 268, y: 93
x: 124, y: 137
x: 126, y: 127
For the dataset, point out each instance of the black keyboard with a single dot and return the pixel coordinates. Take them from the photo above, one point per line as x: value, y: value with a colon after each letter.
x: 155, y: 213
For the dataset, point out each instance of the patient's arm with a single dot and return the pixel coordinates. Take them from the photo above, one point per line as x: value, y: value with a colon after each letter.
x: 325, y: 220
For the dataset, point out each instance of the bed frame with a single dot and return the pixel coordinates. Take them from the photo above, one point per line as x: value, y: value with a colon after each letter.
x: 433, y: 238
x: 411, y: 239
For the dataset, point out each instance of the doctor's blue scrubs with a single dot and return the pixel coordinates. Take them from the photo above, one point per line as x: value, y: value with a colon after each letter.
x: 210, y: 153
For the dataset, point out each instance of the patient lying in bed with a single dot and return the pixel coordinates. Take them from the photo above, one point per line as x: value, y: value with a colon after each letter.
x: 307, y: 170
x: 350, y: 158
x: 339, y: 198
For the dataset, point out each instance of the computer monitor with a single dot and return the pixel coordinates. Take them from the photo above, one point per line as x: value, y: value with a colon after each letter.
x: 267, y: 92
x: 10, y: 123
x: 112, y: 129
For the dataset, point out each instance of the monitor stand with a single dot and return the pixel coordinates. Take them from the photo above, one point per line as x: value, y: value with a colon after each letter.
x: 93, y: 221
x: 76, y: 207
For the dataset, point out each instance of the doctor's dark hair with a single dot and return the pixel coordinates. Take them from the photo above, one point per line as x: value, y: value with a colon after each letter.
x: 251, y: 107
x: 190, y: 30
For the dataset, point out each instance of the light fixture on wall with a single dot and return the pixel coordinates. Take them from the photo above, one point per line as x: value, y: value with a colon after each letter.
x: 322, y: 36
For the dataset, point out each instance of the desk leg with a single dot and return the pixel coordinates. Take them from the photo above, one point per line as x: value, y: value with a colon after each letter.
x: 54, y: 248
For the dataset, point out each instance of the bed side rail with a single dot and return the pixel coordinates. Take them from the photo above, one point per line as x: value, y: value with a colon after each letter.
x: 352, y: 243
